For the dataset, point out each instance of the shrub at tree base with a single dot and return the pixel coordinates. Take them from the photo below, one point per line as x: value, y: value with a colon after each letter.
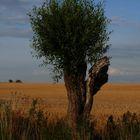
x: 34, y: 125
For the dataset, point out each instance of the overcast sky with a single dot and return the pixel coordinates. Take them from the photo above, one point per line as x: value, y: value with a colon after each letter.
x: 16, y: 61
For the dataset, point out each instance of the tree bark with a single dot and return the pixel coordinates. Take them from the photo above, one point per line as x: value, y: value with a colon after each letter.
x: 75, y: 86
x: 75, y: 108
x: 97, y: 77
x: 80, y: 92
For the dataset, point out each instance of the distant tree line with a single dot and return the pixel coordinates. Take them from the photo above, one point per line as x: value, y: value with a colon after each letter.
x: 17, y: 81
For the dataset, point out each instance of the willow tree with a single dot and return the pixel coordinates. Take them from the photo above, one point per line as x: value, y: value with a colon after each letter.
x: 71, y: 35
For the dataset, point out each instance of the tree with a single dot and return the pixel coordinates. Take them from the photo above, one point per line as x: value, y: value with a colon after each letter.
x: 71, y: 35
x: 10, y: 81
x: 18, y: 81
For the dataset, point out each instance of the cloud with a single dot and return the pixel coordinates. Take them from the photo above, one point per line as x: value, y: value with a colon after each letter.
x: 123, y: 71
x: 122, y: 21
x: 40, y: 72
x: 14, y: 19
x: 14, y: 3
x: 15, y: 32
x: 116, y: 20
x: 116, y: 72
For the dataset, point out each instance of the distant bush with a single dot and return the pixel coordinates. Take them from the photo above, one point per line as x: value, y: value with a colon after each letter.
x: 10, y: 81
x: 18, y: 81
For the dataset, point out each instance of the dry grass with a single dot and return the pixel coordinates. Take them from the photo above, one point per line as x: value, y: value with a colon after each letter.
x: 112, y: 99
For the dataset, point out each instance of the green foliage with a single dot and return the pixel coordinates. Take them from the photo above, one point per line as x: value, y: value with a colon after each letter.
x: 69, y: 33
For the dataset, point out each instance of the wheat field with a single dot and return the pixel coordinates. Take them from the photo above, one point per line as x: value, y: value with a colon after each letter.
x: 112, y: 99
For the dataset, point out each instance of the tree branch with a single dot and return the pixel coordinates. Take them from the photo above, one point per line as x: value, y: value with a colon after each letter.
x: 97, y: 78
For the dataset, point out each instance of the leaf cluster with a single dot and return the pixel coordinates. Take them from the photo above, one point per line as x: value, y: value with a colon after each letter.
x: 69, y: 33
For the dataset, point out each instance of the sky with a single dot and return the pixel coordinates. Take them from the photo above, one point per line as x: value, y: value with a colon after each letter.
x: 16, y: 61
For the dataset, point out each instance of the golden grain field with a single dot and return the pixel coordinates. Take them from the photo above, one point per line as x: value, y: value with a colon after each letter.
x: 112, y: 99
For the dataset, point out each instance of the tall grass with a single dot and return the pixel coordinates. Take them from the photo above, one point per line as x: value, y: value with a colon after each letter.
x: 33, y: 124
x: 126, y: 128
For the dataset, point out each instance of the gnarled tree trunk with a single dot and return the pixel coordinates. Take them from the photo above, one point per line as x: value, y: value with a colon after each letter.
x: 80, y: 92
